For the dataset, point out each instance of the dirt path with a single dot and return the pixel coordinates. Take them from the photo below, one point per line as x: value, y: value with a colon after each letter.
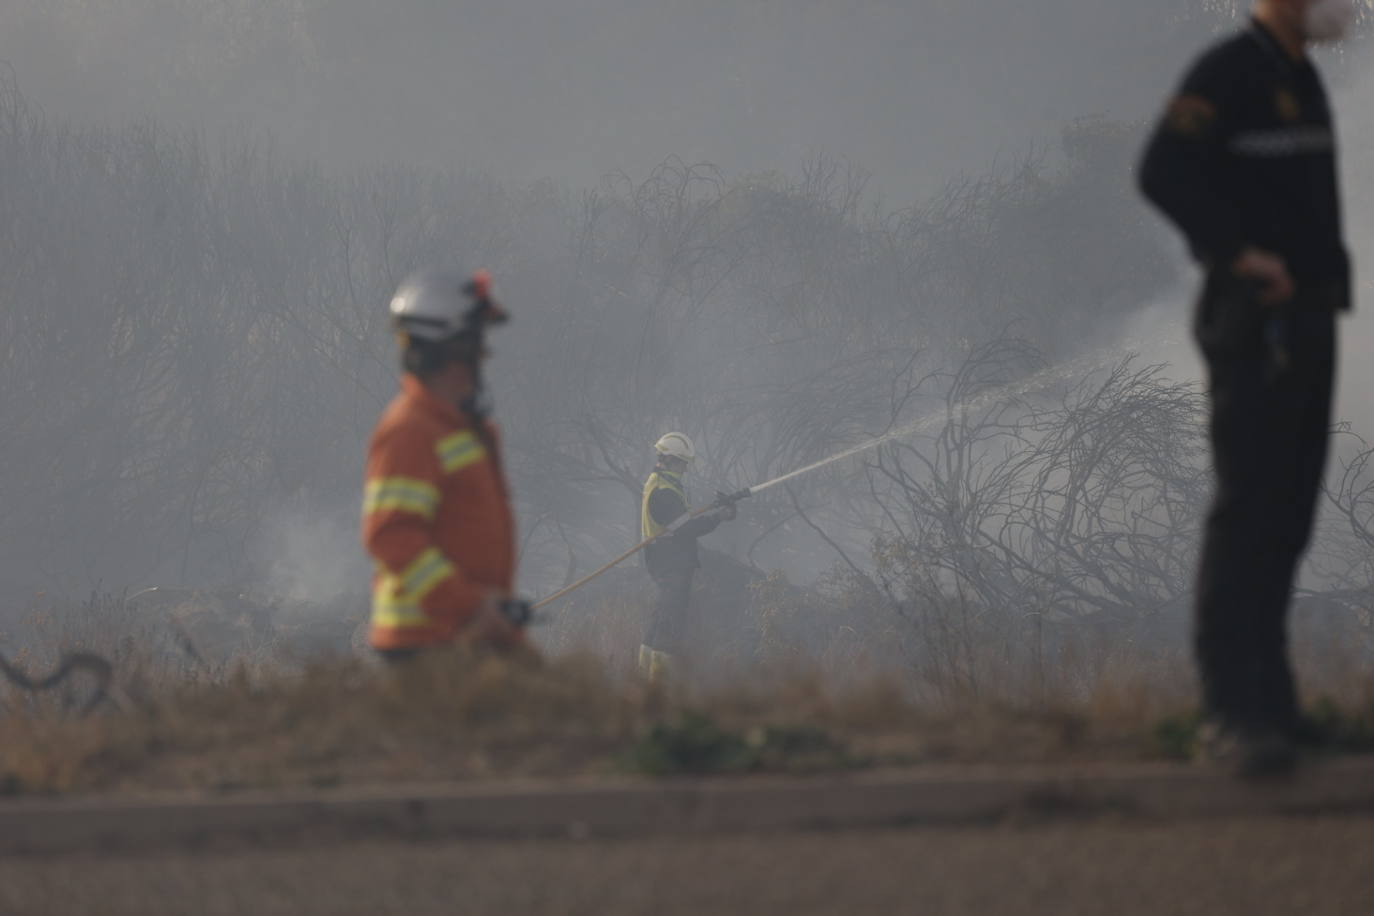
x: 1310, y: 866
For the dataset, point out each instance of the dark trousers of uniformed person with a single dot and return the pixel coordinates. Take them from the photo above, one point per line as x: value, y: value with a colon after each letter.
x: 667, y: 627
x: 1270, y: 381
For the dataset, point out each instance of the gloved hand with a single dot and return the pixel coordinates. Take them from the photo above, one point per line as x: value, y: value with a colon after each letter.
x: 725, y: 507
x: 520, y: 614
x: 490, y: 624
x: 518, y: 611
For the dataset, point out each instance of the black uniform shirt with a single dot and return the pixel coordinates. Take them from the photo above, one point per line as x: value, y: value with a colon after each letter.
x: 1246, y: 156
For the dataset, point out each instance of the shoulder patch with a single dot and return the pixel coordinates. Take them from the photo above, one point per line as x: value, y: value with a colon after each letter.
x: 1286, y: 104
x: 1190, y: 116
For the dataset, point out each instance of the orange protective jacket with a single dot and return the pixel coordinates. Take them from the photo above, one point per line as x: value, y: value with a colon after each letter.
x: 436, y: 519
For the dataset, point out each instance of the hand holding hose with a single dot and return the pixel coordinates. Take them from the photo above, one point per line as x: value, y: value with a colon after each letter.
x: 725, y: 503
x: 518, y: 612
x: 499, y: 621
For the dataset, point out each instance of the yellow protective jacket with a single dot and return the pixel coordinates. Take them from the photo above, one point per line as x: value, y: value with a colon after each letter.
x: 664, y: 501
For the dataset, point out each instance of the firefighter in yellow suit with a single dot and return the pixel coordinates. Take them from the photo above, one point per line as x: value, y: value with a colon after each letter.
x: 672, y: 558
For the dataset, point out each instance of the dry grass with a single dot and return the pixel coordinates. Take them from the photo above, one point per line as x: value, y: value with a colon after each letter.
x: 459, y: 716
x: 805, y: 694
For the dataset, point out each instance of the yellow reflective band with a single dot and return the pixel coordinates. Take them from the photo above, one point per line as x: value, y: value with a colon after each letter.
x: 396, y: 599
x: 459, y: 450
x: 391, y: 611
x: 400, y: 494
x: 658, y: 480
x: 424, y: 575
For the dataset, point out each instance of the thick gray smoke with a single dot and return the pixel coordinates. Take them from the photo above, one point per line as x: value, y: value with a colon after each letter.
x: 913, y: 92
x: 1355, y: 103
x: 780, y: 227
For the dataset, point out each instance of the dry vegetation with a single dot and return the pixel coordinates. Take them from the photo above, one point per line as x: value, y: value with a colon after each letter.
x: 259, y: 720
x: 462, y: 717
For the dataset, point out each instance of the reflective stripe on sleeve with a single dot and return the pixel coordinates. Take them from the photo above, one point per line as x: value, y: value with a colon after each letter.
x: 395, y: 613
x: 425, y: 574
x: 396, y: 600
x: 460, y: 450
x: 400, y: 494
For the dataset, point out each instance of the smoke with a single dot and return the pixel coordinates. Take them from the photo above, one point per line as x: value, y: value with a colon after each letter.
x: 313, y: 557
x: 917, y: 94
x: 575, y: 89
x: 1355, y: 109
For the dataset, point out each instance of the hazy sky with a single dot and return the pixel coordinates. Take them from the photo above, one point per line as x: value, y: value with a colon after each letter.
x: 916, y: 92
x: 913, y: 91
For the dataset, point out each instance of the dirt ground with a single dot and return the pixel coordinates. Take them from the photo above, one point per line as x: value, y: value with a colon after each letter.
x: 1255, y: 867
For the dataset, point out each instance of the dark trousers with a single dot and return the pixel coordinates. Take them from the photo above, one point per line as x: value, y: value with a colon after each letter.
x: 396, y: 657
x: 1270, y: 382
x: 669, y: 621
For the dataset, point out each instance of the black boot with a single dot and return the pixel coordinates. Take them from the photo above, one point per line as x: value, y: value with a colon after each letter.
x: 1248, y: 753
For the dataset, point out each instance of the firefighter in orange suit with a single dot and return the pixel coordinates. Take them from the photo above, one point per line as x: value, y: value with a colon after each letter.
x: 437, y: 520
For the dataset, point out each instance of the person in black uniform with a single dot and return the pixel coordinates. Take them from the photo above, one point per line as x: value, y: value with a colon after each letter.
x: 1244, y: 164
x: 672, y: 558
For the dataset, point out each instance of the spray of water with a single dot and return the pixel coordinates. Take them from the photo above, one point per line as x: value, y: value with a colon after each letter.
x: 1039, y: 381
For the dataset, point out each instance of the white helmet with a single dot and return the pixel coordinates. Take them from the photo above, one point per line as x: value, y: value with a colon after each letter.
x: 434, y: 305
x: 676, y: 445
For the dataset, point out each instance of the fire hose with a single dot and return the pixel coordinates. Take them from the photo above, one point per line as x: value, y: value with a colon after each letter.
x: 722, y: 500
